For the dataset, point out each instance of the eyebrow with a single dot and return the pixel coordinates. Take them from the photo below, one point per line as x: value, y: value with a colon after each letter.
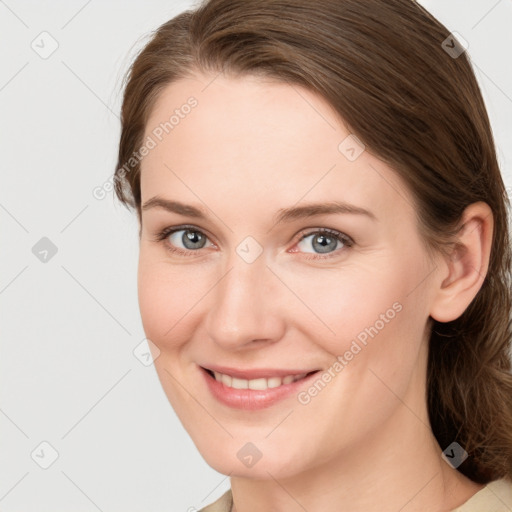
x: 283, y: 214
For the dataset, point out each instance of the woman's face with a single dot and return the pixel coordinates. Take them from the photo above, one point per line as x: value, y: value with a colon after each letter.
x: 250, y: 284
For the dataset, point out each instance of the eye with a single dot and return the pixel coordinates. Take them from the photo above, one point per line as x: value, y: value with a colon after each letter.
x: 324, y: 241
x: 187, y: 240
x: 184, y: 239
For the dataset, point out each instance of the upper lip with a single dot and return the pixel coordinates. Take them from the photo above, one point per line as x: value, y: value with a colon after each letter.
x: 256, y: 373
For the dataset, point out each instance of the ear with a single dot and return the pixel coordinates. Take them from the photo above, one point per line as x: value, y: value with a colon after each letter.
x: 464, y: 270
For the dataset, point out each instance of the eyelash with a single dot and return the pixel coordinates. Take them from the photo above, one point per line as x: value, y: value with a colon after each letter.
x: 344, y: 239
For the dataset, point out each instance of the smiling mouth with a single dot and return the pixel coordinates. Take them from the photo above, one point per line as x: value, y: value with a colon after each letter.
x: 260, y: 384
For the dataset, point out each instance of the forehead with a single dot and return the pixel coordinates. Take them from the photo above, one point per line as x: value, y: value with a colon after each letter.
x: 251, y: 140
x: 256, y: 112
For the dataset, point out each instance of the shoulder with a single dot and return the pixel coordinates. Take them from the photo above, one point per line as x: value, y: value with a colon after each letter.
x: 496, y: 496
x: 223, y: 504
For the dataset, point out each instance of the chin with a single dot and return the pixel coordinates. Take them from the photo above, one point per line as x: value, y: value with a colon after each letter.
x: 252, y: 460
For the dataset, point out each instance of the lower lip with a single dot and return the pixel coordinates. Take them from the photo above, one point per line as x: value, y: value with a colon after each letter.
x: 252, y: 399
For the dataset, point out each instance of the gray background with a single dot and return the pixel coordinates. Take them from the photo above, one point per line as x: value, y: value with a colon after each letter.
x: 70, y: 325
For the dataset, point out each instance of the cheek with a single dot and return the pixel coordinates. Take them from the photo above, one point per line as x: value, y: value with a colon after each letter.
x: 165, y: 295
x: 349, y: 302
x: 378, y: 328
x: 374, y: 314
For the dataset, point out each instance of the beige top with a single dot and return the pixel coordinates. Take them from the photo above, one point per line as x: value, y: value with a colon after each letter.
x: 496, y: 496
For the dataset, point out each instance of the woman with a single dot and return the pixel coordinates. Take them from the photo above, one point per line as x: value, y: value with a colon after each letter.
x: 324, y: 254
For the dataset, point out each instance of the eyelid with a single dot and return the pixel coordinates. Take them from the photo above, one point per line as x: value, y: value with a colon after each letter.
x: 347, y: 241
x: 163, y: 234
x: 338, y: 234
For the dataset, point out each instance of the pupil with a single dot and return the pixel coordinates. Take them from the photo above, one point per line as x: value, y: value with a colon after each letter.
x: 323, y: 243
x: 193, y: 240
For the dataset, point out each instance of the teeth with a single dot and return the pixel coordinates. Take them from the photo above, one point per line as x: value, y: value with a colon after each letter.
x: 226, y: 379
x: 274, y: 382
x: 256, y: 384
x: 239, y: 383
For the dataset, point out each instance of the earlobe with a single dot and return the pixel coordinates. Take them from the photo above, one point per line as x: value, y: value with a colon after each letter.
x: 466, y: 266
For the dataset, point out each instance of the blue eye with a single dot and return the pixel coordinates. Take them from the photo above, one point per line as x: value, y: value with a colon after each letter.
x: 187, y: 240
x: 324, y: 241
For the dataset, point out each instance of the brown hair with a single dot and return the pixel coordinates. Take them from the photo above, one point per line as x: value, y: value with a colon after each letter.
x: 383, y: 67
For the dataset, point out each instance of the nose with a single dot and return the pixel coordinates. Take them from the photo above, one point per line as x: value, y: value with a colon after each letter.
x: 245, y: 306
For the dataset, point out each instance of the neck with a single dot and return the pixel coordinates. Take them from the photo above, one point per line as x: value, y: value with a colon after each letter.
x: 398, y: 468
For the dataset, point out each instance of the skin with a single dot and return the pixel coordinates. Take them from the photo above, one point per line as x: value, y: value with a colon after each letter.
x: 250, y: 148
